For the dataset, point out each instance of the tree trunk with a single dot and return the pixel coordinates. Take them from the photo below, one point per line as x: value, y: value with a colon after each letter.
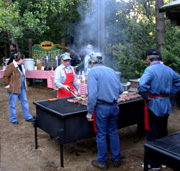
x: 160, y: 37
x: 6, y: 50
x: 30, y: 47
x: 63, y: 43
x: 16, y: 43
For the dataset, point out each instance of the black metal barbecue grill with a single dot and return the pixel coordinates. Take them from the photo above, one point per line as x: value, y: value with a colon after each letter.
x: 165, y: 150
x: 67, y: 121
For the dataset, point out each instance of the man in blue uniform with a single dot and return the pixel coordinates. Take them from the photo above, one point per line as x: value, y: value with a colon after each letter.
x: 156, y: 85
x: 104, y: 88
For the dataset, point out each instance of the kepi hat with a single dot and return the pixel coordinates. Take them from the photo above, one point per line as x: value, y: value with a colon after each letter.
x: 153, y: 53
x: 96, y: 57
x: 65, y: 56
x: 89, y: 46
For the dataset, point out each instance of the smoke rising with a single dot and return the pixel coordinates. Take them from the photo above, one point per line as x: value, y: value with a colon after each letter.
x: 87, y: 29
x: 91, y: 26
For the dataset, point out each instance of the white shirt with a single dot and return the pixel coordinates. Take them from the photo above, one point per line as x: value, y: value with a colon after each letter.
x: 87, y: 59
x: 60, y: 76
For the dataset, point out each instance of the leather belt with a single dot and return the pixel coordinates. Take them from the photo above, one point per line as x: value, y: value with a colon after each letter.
x: 106, y: 103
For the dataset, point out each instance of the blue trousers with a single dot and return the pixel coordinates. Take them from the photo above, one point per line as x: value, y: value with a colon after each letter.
x: 106, y: 123
x: 158, y: 129
x: 24, y: 104
x: 157, y: 125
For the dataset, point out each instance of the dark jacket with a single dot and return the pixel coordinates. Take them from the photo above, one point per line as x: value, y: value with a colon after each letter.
x: 75, y: 60
x: 11, y: 58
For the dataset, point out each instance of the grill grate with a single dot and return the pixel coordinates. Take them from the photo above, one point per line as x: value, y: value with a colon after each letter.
x: 62, y: 106
x: 170, y: 143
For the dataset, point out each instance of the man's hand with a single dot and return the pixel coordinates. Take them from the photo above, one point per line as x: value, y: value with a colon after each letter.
x: 66, y: 87
x: 146, y: 101
x: 89, y: 117
x: 149, y: 98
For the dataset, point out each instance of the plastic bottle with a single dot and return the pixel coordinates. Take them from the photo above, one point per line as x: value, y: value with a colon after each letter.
x: 83, y: 78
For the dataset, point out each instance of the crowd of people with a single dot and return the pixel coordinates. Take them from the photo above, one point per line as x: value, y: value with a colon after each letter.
x: 157, y: 84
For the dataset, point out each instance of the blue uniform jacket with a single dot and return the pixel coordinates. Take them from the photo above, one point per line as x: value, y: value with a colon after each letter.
x: 159, y: 79
x: 102, y: 84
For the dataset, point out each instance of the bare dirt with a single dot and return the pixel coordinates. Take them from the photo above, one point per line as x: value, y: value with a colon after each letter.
x: 17, y: 142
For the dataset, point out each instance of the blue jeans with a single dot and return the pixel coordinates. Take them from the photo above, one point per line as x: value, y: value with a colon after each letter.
x: 24, y: 104
x: 106, y: 123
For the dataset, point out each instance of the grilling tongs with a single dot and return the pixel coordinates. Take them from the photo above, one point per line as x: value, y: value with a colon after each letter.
x: 74, y: 92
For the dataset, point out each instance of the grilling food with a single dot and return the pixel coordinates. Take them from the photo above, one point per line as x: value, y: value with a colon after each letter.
x: 53, y: 99
x: 128, y: 96
x: 83, y: 100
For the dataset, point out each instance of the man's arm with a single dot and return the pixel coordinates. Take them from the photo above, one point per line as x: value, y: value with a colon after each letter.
x: 6, y: 77
x: 92, y: 86
x: 144, y: 84
x: 10, y: 60
x: 57, y: 79
x: 176, y: 83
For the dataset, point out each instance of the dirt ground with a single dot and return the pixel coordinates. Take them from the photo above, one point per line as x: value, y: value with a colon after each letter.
x: 17, y: 142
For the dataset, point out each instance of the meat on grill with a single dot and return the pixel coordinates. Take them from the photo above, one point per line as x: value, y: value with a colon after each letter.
x: 123, y: 97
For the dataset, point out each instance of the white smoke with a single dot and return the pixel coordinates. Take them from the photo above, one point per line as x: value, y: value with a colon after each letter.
x: 87, y: 28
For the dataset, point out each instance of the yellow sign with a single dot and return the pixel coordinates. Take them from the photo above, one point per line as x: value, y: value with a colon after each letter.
x: 46, y: 45
x: 39, y: 51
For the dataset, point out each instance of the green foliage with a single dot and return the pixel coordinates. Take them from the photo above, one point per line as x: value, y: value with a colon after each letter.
x: 130, y: 29
x: 38, y: 19
x: 132, y: 34
x: 128, y: 43
x: 171, y: 54
x: 20, y: 16
x: 171, y: 59
x: 124, y: 60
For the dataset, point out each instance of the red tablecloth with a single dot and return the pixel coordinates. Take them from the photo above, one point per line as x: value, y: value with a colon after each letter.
x: 83, y: 88
x: 42, y: 74
x: 49, y: 75
x: 1, y: 73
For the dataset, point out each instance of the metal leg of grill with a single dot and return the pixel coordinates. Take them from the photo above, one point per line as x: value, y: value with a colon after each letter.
x: 35, y: 131
x: 60, y: 139
x: 61, y: 155
x: 50, y: 137
x: 145, y: 159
